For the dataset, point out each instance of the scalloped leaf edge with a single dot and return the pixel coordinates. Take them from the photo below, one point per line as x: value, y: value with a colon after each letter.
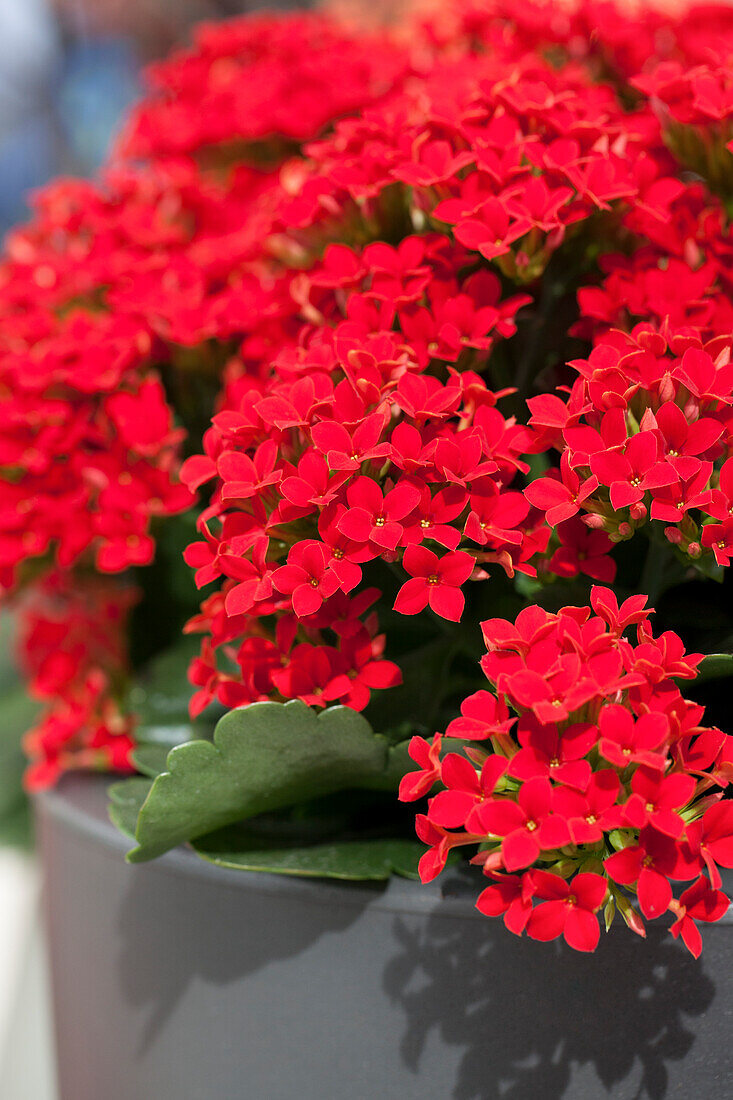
x: 340, y: 751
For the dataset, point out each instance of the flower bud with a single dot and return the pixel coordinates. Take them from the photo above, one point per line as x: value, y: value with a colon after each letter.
x: 667, y: 388
x: 630, y: 915
x: 691, y: 252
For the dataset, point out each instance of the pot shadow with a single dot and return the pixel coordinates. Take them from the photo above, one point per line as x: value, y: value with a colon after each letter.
x: 527, y: 1014
x: 160, y: 955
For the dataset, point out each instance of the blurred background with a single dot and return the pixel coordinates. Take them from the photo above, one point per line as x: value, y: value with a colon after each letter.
x: 69, y: 70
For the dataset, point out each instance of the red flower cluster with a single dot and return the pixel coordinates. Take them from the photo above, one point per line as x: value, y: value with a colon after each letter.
x: 642, y: 434
x: 345, y: 451
x: 255, y: 87
x: 696, y: 96
x: 88, y: 451
x: 73, y: 647
x: 326, y: 292
x: 605, y: 778
x: 695, y: 106
x: 678, y: 277
x: 104, y: 296
x: 373, y: 431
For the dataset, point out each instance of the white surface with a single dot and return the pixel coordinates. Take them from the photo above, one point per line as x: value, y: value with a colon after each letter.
x: 26, y: 1046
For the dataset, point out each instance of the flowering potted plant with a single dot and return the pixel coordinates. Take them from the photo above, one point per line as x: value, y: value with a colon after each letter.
x: 412, y: 350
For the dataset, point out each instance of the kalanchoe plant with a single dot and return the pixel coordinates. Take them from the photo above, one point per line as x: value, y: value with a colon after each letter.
x: 605, y: 779
x: 385, y: 364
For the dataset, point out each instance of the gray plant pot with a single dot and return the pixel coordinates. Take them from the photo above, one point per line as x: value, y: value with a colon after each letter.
x: 179, y: 981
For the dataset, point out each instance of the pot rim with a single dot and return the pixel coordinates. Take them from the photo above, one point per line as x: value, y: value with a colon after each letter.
x: 79, y: 803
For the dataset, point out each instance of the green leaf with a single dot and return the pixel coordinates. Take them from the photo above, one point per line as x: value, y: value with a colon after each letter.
x: 125, y: 800
x: 19, y: 713
x: 8, y: 668
x: 16, y: 827
x: 374, y: 859
x: 714, y: 667
x: 151, y: 757
x: 263, y: 757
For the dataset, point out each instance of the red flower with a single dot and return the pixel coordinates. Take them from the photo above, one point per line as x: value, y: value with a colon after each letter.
x: 425, y: 398
x: 711, y: 838
x: 671, y: 502
x: 654, y: 800
x: 539, y: 202
x: 441, y: 842
x: 466, y: 789
x: 510, y: 897
x: 281, y: 228
x: 399, y: 274
x: 254, y: 580
x: 554, y: 694
x: 583, y: 551
x: 624, y: 741
x: 605, y: 604
x: 408, y: 451
x: 558, y: 756
x: 435, y: 582
x: 490, y: 231
x: 314, y: 486
x: 427, y: 754
x: 495, y: 515
x: 367, y: 670
x: 528, y: 826
x: 697, y: 902
x: 650, y: 864
x: 143, y: 419
x: 719, y: 538
x: 594, y: 812
x: 244, y: 477
x: 433, y: 515
x: 569, y: 910
x: 681, y: 438
x: 307, y: 674
x: 432, y: 162
x: 721, y: 499
x: 347, y: 451
x: 561, y: 499
x: 307, y: 578
x: 631, y: 474
x: 374, y: 518
x: 482, y: 716
x: 295, y: 406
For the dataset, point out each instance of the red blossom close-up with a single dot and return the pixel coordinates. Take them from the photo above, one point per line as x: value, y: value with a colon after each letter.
x: 387, y: 372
